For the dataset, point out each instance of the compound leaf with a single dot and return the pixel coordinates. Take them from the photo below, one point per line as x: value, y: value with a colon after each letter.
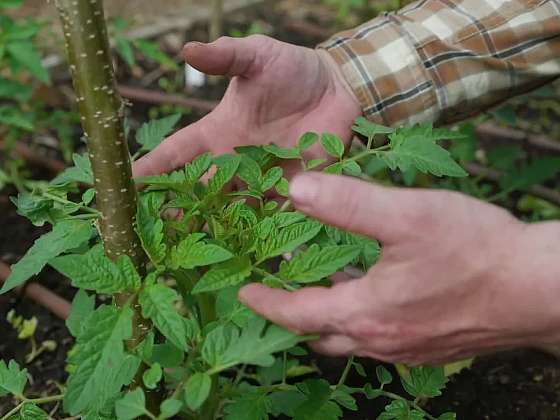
x: 229, y: 273
x: 191, y: 252
x: 248, y: 406
x: 82, y: 306
x: 332, y: 145
x: 94, y: 271
x: 101, y: 365
x: 131, y: 406
x: 420, y: 152
x: 256, y: 345
x: 315, y: 263
x: 425, y: 381
x: 288, y: 239
x: 12, y: 379
x: 158, y: 304
x: 197, y: 390
x: 64, y: 236
x: 152, y: 133
x: 149, y: 226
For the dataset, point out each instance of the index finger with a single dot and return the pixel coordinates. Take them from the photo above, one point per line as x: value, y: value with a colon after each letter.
x: 312, y: 310
x: 174, y: 151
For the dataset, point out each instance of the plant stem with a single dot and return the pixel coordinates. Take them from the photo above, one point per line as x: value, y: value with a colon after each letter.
x: 101, y: 110
x: 37, y: 401
x: 345, y: 372
x: 217, y: 20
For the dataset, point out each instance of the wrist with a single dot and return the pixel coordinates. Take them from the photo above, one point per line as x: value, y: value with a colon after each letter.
x: 340, y: 85
x: 532, y: 283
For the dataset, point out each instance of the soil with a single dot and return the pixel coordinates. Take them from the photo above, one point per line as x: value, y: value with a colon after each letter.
x: 516, y: 385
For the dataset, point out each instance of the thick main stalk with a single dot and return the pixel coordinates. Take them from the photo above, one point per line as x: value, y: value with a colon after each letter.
x: 101, y: 113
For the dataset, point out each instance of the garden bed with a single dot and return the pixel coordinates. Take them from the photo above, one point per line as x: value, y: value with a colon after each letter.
x: 522, y: 384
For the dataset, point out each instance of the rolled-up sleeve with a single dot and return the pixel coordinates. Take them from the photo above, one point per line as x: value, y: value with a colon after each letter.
x: 446, y: 60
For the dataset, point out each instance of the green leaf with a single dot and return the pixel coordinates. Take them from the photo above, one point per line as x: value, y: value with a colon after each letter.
x: 425, y: 381
x: 149, y: 226
x: 170, y: 408
x: 282, y: 152
x: 250, y: 173
x: 167, y: 355
x: 370, y: 247
x: 216, y: 343
x: 249, y: 405
x: 11, y: 89
x: 332, y: 145
x: 227, y: 168
x: 343, y: 397
x: 271, y: 178
x: 197, y: 390
x: 65, y: 235
x: 400, y: 410
x: 447, y: 416
x: 10, y: 4
x: 158, y: 304
x: 101, y: 365
x: 14, y: 117
x: 24, y: 53
x: 197, y: 168
x: 351, y: 168
x: 307, y: 140
x: 81, y: 172
x: 229, y: 273
x: 153, y: 51
x: 152, y: 133
x: 256, y: 345
x: 124, y: 49
x: 335, y: 168
x: 152, y: 376
x: 282, y: 187
x: 537, y: 172
x: 383, y: 375
x: 315, y: 263
x: 191, y: 252
x: 12, y: 379
x: 82, y: 306
x: 315, y: 163
x: 368, y: 129
x: 94, y: 271
x: 131, y: 406
x: 422, y: 153
x: 317, y: 406
x: 30, y: 411
x: 288, y: 239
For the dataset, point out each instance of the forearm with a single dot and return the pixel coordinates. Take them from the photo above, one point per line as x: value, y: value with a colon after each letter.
x: 443, y: 63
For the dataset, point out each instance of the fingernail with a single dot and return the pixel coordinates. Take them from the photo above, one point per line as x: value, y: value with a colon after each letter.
x: 303, y: 189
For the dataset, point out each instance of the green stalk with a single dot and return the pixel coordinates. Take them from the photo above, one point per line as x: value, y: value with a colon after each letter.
x: 101, y: 109
x: 217, y: 20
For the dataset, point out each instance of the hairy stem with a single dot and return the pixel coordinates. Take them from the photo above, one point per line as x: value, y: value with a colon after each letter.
x: 101, y: 111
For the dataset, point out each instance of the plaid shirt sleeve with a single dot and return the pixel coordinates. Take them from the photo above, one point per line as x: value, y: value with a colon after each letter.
x: 446, y: 60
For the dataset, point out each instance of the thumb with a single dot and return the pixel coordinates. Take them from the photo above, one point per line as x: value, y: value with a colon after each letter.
x: 225, y: 56
x: 387, y: 214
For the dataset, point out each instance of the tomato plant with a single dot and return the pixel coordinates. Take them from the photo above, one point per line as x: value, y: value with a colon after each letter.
x: 158, y: 329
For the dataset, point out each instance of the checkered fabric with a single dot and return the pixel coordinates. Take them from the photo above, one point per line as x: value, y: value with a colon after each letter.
x: 446, y: 60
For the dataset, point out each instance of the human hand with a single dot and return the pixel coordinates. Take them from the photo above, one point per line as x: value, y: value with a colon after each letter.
x: 457, y: 276
x: 277, y: 93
